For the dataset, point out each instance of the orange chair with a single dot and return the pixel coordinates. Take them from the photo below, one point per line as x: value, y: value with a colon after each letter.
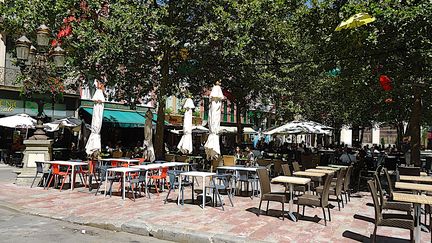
x: 55, y: 168
x: 158, y: 177
x: 141, y: 160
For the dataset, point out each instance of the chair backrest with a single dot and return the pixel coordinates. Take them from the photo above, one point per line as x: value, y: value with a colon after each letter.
x: 340, y: 180
x: 296, y: 166
x: 55, y: 169
x: 379, y: 190
x: 306, y: 160
x: 264, y: 181
x: 170, y: 157
x: 286, y: 170
x: 376, y: 203
x: 326, y: 188
x: 229, y: 160
x: 347, y: 180
x: 263, y: 162
x: 181, y: 158
x: 409, y: 171
x: 277, y: 167
x: 389, y: 182
x: 164, y: 172
x: 39, y: 167
x: 172, y: 174
x: 103, y: 170
x: 114, y: 163
x: 117, y: 154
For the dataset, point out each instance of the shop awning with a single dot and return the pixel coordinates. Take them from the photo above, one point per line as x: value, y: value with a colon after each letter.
x: 126, y: 119
x: 246, y: 130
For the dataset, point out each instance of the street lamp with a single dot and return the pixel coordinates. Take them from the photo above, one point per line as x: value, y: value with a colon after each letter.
x: 38, y: 74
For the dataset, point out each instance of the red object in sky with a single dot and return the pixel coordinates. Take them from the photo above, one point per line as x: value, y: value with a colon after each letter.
x: 385, y: 82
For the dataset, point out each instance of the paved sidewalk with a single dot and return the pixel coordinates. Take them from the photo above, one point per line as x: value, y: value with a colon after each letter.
x: 189, y: 223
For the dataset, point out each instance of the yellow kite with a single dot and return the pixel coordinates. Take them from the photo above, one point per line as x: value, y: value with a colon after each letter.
x: 355, y: 21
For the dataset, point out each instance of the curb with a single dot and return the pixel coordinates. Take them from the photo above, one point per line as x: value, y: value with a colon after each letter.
x: 139, y: 228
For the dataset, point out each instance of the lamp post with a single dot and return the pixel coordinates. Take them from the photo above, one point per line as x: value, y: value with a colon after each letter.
x: 37, y: 70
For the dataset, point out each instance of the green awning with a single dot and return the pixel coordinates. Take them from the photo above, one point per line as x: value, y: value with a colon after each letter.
x: 126, y: 119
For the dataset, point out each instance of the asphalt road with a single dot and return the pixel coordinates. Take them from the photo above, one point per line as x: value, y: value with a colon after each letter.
x: 16, y: 227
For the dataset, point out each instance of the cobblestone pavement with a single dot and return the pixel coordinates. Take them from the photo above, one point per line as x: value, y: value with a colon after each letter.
x: 190, y: 223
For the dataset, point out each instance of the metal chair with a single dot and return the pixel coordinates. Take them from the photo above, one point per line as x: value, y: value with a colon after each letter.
x: 388, y: 220
x: 320, y: 200
x: 266, y: 193
x: 45, y: 173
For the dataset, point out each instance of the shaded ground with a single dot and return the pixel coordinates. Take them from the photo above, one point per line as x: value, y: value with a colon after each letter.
x: 191, y: 223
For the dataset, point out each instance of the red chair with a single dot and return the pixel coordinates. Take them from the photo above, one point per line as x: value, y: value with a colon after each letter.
x: 55, y: 168
x: 158, y: 177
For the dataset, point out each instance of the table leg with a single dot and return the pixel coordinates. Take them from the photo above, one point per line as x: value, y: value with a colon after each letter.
x: 203, y: 188
x: 124, y: 182
x: 73, y: 177
x: 106, y: 182
x: 180, y: 188
x: 291, y: 201
x: 146, y: 184
x: 417, y: 227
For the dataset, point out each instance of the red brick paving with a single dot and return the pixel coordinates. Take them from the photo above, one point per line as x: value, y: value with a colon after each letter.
x: 241, y: 220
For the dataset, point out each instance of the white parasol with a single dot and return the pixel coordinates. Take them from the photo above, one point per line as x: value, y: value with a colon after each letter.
x: 300, y: 127
x: 185, y: 144
x: 18, y: 121
x: 212, y: 147
x: 149, y: 153
x: 94, y: 141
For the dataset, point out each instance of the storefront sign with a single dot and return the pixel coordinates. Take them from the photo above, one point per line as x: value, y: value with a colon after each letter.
x: 178, y: 120
x: 10, y: 107
x: 113, y: 106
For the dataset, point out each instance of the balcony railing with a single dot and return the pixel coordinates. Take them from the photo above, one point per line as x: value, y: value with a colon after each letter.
x: 8, y: 77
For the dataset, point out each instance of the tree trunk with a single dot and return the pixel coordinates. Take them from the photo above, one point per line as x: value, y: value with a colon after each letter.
x: 400, y: 134
x: 239, y: 138
x: 159, y: 138
x: 415, y: 127
x: 361, y: 136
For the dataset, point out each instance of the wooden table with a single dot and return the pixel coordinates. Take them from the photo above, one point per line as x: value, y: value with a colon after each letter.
x: 318, y: 175
x: 122, y: 170
x: 417, y: 200
x: 416, y: 178
x: 291, y: 180
x: 201, y: 174
x: 321, y: 171
x: 328, y: 168
x: 69, y: 164
x: 413, y: 186
x: 338, y: 166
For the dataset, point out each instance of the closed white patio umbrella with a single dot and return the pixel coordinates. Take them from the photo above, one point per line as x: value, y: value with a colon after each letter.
x: 18, y: 121
x: 185, y: 144
x: 212, y: 147
x: 94, y: 141
x: 149, y: 153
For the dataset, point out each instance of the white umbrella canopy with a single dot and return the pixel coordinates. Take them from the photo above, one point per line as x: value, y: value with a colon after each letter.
x: 300, y: 127
x: 195, y: 129
x: 185, y: 145
x: 70, y: 122
x: 212, y: 147
x: 94, y: 141
x: 18, y: 121
x: 149, y: 153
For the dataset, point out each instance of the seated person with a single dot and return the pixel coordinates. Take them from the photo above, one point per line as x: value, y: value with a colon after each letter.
x: 238, y: 153
x: 347, y: 157
x: 250, y: 157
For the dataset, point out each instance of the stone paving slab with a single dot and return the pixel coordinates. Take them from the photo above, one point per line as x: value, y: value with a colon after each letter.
x: 190, y: 223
